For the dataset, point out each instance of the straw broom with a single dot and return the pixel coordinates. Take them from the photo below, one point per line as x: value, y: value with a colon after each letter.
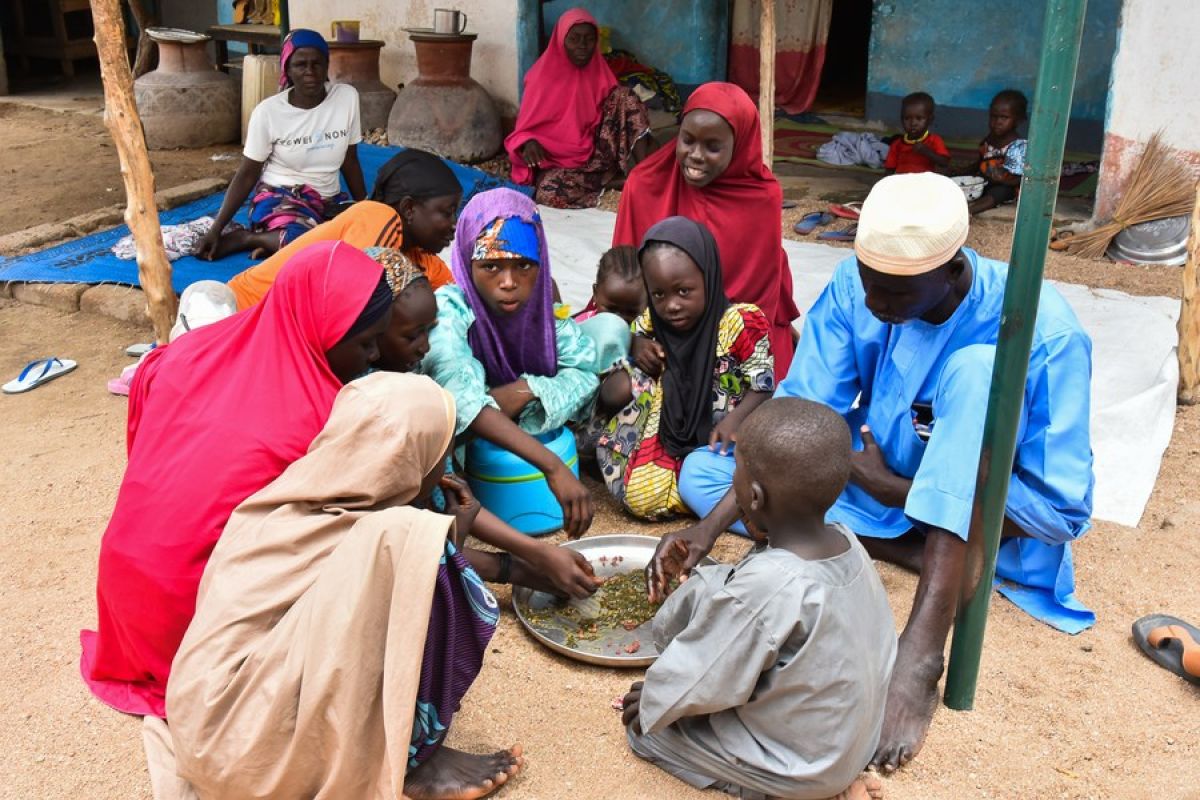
x: 1159, y: 187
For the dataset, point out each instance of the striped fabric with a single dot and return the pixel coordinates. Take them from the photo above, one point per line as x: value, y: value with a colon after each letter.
x: 461, y: 624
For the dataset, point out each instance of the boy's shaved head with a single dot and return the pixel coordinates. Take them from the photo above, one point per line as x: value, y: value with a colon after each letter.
x: 798, y: 451
x: 921, y: 98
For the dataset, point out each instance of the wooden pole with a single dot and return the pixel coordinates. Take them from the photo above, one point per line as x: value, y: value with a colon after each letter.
x: 145, y: 45
x: 766, y: 79
x: 123, y: 122
x: 1189, y: 316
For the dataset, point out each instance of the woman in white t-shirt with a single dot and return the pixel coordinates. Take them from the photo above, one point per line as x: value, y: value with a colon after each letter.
x: 297, y: 143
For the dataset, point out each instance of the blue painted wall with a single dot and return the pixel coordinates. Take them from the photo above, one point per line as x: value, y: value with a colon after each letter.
x: 964, y: 52
x: 688, y: 40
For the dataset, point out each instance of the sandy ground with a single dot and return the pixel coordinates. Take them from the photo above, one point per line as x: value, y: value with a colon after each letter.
x: 65, y: 164
x: 1056, y: 716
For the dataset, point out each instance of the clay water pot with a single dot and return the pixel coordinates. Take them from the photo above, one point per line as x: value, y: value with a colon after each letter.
x: 444, y: 110
x: 357, y: 63
x: 185, y: 101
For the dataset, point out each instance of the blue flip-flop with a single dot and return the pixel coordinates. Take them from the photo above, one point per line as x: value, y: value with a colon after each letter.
x: 38, y: 372
x: 844, y: 235
x: 810, y: 221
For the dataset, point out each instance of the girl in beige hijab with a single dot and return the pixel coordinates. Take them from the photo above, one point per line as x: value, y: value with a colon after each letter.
x: 337, y: 628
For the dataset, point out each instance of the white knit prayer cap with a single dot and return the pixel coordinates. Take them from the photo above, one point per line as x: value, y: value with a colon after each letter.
x: 911, y: 224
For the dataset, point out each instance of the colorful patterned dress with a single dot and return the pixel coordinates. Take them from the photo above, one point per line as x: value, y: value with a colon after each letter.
x: 637, y: 469
x: 623, y: 121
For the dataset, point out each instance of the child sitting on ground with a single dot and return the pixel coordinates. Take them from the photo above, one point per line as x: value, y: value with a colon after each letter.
x: 917, y: 149
x: 1002, y: 151
x: 773, y: 673
x: 523, y: 559
x: 618, y: 288
x: 701, y: 364
x: 515, y: 371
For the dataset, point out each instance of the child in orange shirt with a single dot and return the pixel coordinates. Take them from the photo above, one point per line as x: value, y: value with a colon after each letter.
x: 917, y: 150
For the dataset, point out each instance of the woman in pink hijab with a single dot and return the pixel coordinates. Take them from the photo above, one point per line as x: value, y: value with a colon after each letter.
x: 577, y: 129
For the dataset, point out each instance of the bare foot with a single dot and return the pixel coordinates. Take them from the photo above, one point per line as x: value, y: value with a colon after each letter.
x: 454, y: 775
x: 866, y: 787
x: 911, y: 700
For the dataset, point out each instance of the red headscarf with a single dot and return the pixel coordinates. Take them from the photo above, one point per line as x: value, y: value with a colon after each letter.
x: 743, y: 208
x: 561, y: 104
x: 213, y: 418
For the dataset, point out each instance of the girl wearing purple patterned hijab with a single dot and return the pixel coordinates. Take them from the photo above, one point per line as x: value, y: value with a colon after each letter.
x: 516, y: 372
x: 501, y: 263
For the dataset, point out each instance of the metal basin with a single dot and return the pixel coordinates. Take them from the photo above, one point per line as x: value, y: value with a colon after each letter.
x: 1160, y: 241
x: 608, y: 649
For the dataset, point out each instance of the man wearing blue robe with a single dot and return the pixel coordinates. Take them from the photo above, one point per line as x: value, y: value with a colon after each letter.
x: 902, y: 342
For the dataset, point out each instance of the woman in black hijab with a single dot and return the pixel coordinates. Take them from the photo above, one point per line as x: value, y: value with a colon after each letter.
x: 702, y: 364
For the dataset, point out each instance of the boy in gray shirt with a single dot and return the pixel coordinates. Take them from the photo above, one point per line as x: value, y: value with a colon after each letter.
x: 774, y: 672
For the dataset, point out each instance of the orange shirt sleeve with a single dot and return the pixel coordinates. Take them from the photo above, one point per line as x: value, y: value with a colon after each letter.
x: 365, y: 224
x: 252, y: 284
x: 436, y: 270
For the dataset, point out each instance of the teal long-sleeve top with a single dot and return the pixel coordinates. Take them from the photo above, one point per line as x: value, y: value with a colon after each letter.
x: 558, y: 399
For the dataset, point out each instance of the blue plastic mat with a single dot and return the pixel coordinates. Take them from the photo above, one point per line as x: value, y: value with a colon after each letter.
x: 90, y: 259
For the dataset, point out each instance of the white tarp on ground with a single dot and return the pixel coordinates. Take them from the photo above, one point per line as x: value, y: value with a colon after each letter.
x: 1134, y: 372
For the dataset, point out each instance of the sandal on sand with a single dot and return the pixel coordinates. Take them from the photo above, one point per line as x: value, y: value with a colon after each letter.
x: 846, y: 210
x: 139, y: 350
x: 1061, y: 241
x: 844, y: 235
x: 809, y: 222
x: 38, y: 372
x: 789, y: 204
x: 1171, y: 643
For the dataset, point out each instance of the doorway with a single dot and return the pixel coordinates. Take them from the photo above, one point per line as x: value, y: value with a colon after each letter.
x: 843, y: 86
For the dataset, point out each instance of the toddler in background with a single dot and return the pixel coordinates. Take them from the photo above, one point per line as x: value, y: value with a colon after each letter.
x: 918, y: 149
x: 773, y: 673
x: 1002, y: 151
x: 618, y: 288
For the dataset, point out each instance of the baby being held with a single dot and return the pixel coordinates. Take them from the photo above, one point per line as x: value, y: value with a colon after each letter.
x: 618, y: 288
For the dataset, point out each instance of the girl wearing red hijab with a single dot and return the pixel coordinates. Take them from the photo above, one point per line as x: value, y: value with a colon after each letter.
x: 576, y: 129
x: 213, y: 418
x: 715, y: 175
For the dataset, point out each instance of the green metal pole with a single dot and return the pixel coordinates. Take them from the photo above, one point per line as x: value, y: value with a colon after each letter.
x: 1031, y: 235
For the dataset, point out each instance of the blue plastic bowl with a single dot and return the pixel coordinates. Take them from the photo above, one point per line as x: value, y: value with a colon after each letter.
x: 515, y: 490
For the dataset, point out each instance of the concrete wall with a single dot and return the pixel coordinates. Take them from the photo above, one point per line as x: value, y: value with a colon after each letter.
x: 1153, y: 88
x: 687, y: 40
x: 964, y: 52
x: 494, y: 58
x: 188, y: 14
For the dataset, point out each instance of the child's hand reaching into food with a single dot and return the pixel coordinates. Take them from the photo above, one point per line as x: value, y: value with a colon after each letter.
x: 671, y: 564
x: 462, y: 503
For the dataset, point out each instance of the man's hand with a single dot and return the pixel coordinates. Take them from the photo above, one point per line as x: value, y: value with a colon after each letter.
x: 869, y: 470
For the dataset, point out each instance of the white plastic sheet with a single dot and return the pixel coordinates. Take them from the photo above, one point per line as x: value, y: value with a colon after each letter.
x: 1134, y: 369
